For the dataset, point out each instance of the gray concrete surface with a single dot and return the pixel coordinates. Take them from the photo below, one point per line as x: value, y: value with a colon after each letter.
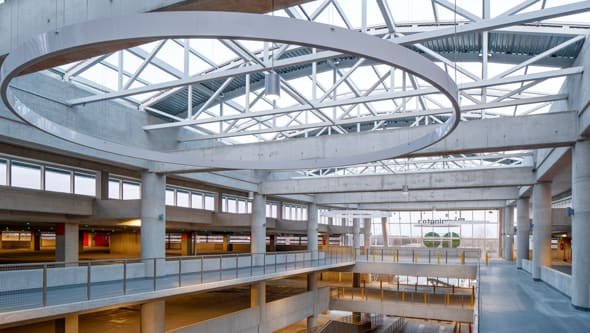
x: 511, y: 302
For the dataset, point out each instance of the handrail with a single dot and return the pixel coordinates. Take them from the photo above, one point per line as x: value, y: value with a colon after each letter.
x: 33, y: 285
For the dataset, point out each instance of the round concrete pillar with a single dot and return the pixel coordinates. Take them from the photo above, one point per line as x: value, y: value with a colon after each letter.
x: 541, y: 228
x: 384, y: 230
x: 258, y: 228
x: 153, y: 317
x: 312, y: 229
x: 153, y: 215
x: 367, y: 232
x: 581, y: 226
x: 523, y: 227
x: 508, y: 232
x: 356, y: 237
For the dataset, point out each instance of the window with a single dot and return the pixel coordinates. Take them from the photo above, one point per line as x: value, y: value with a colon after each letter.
x: 197, y: 200
x: 209, y: 202
x: 84, y: 184
x: 131, y: 190
x: 236, y: 205
x: 170, y: 197
x: 182, y: 198
x: 114, y: 189
x: 25, y: 175
x: 3, y: 171
x: 58, y: 180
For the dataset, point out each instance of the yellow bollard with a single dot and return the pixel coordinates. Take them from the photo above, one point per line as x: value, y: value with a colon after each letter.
x: 342, y: 292
x: 462, y: 257
x: 472, y: 295
x: 416, y: 257
x: 487, y: 258
x: 438, y: 257
x: 425, y: 299
x: 448, y: 298
x: 403, y: 296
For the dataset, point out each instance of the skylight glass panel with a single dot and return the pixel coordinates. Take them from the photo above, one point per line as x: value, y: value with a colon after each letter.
x: 102, y: 75
x: 330, y: 16
x: 173, y: 54
x: 411, y: 11
x: 154, y: 74
x: 213, y: 50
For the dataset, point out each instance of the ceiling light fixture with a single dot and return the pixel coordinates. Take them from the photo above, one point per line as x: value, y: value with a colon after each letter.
x: 272, y: 80
x: 405, y: 189
x: 272, y: 85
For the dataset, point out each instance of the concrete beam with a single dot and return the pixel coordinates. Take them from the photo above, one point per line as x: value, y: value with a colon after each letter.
x: 22, y: 21
x: 486, y: 135
x: 469, y: 194
x: 552, y: 161
x: 415, y: 181
x: 34, y: 201
x: 454, y: 205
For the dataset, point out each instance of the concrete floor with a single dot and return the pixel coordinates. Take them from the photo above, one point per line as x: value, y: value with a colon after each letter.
x: 512, y: 302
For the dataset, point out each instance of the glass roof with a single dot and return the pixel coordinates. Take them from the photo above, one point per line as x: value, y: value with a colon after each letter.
x: 504, y: 71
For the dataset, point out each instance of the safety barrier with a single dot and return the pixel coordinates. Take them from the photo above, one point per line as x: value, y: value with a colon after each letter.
x: 24, y: 286
x: 421, y: 255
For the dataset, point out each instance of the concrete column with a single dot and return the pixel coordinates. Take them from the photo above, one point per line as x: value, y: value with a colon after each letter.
x: 258, y: 299
x: 66, y: 242
x: 508, y: 232
x: 35, y: 241
x: 153, y: 215
x: 273, y: 243
x: 367, y: 233
x: 356, y: 283
x: 312, y: 285
x: 153, y: 317
x: 258, y: 228
x: 541, y: 228
x: 312, y: 229
x: 385, y: 231
x: 226, y: 245
x: 523, y: 227
x: 68, y: 324
x: 581, y: 226
x: 187, y: 244
x: 102, y: 185
x: 356, y: 237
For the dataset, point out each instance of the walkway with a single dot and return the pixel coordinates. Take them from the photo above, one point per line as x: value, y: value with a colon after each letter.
x: 510, y: 301
x: 203, y: 274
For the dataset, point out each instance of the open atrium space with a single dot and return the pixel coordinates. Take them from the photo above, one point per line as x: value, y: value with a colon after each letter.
x: 294, y: 166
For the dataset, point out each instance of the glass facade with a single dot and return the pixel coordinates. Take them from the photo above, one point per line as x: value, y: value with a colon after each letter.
x: 474, y: 228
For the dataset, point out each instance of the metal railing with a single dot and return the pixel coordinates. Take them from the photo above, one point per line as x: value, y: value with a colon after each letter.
x: 24, y: 286
x: 421, y: 255
x: 462, y: 299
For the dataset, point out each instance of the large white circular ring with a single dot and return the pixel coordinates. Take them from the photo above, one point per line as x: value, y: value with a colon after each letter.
x: 94, y: 37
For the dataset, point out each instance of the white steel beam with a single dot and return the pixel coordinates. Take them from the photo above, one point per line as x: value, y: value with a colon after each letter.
x: 389, y: 96
x: 496, y: 23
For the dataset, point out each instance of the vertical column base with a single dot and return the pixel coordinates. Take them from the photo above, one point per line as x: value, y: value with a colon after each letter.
x: 312, y: 285
x: 258, y: 299
x: 68, y: 324
x: 153, y: 317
